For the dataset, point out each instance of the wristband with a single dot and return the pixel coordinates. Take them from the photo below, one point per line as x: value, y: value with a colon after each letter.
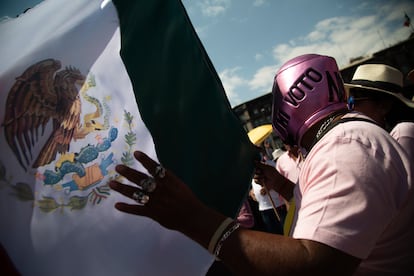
x: 224, y: 238
x: 216, y: 236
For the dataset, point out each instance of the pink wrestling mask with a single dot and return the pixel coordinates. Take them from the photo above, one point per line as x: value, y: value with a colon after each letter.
x: 306, y: 89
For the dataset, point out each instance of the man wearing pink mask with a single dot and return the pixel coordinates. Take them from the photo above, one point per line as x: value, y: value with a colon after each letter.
x: 354, y: 198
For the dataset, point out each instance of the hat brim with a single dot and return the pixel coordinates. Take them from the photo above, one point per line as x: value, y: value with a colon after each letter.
x: 399, y: 96
x: 276, y: 156
x: 410, y: 75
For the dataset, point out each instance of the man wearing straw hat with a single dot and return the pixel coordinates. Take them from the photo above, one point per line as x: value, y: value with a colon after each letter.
x: 376, y: 90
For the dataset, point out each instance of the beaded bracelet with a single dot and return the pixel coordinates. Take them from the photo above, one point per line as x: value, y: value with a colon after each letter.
x: 224, y: 238
x: 216, y: 236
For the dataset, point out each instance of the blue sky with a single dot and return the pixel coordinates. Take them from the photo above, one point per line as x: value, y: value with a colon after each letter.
x: 247, y: 40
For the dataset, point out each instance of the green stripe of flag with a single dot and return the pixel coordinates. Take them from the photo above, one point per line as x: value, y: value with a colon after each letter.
x: 183, y: 104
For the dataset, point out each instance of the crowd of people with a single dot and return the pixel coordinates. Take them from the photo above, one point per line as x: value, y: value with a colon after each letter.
x: 352, y: 201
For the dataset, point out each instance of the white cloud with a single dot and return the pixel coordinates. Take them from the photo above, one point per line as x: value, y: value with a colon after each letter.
x: 202, y: 31
x: 258, y: 57
x: 213, y: 8
x: 316, y: 35
x: 231, y: 81
x: 344, y: 38
x: 263, y: 78
x: 234, y: 83
x: 258, y: 3
x: 395, y: 11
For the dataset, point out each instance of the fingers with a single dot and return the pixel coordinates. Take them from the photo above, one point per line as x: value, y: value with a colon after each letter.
x: 130, y: 192
x: 144, y: 181
x: 147, y: 184
x: 129, y: 208
x: 164, y: 201
x: 123, y: 189
x: 130, y: 174
x: 147, y: 162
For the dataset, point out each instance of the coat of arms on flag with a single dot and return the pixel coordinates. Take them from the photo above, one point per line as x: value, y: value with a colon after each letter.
x: 46, y: 100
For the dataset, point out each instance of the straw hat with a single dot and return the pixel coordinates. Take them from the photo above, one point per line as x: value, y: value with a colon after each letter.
x: 410, y: 75
x: 381, y: 78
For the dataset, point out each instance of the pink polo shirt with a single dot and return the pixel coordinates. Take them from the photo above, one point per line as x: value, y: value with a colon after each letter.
x: 355, y: 194
x: 288, y: 167
x: 404, y: 134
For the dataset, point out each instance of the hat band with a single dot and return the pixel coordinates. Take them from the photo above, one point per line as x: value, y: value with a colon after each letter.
x: 394, y: 88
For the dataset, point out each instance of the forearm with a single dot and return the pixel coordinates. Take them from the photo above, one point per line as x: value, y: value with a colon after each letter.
x: 285, y: 188
x: 248, y: 252
x: 201, y: 225
x: 270, y: 178
x: 282, y: 185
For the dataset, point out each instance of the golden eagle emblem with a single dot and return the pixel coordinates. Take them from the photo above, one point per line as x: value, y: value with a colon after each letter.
x: 40, y: 95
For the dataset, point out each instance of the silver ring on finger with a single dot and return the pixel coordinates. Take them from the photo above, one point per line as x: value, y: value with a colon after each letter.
x: 140, y: 197
x: 148, y: 184
x: 159, y: 172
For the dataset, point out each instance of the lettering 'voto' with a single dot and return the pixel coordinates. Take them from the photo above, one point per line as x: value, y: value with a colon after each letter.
x: 305, y: 84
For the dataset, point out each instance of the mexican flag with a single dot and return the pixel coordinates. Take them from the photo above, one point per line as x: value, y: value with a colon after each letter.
x: 71, y: 109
